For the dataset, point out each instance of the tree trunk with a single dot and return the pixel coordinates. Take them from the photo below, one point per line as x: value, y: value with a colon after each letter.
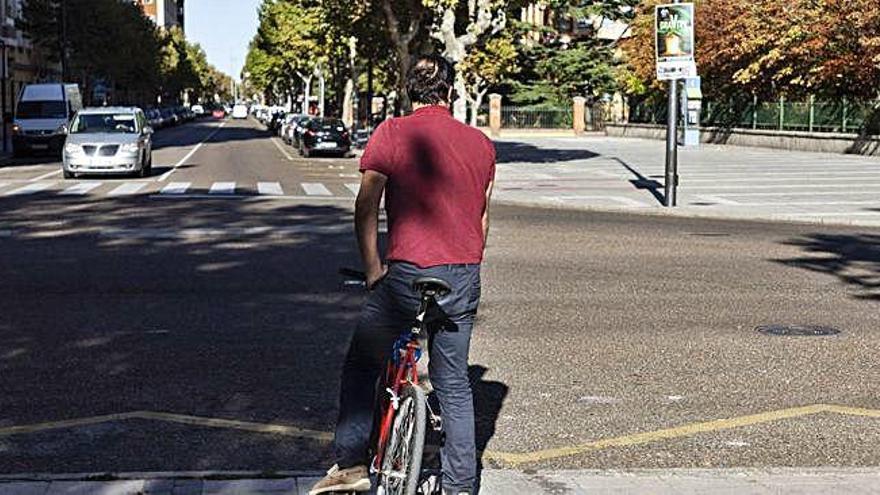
x: 402, y: 47
x: 477, y: 103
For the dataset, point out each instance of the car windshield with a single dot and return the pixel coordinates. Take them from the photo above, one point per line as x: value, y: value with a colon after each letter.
x: 104, y: 122
x: 327, y: 125
x: 42, y: 110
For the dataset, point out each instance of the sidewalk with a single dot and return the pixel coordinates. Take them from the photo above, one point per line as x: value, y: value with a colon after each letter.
x: 502, y: 482
x: 627, y: 175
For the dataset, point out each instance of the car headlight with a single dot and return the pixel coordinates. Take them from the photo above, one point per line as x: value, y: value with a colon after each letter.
x: 72, y: 149
x: 130, y: 147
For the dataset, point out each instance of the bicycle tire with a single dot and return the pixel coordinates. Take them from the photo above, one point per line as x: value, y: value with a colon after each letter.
x: 402, y: 463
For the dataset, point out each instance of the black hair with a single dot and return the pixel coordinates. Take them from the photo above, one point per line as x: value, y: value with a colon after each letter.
x: 429, y: 80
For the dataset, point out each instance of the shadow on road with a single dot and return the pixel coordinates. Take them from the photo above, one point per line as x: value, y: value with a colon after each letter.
x: 214, y: 308
x: 512, y: 152
x: 853, y: 258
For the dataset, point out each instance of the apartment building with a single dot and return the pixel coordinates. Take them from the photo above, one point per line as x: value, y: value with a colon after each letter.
x: 165, y: 13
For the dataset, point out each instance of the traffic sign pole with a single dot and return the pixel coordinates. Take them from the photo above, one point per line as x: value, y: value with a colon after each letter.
x: 671, y: 184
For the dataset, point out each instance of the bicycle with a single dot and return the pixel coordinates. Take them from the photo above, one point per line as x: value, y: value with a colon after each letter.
x: 400, y: 426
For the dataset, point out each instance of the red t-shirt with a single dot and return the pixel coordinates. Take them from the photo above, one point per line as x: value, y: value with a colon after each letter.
x: 438, y: 170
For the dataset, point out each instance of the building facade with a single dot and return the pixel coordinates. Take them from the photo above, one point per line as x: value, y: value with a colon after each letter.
x: 20, y: 62
x: 165, y: 13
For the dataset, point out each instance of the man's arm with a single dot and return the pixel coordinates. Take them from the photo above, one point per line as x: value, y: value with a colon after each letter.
x: 486, y: 213
x: 366, y: 224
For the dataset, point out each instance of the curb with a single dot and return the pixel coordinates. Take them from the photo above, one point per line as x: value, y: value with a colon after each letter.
x: 677, y: 213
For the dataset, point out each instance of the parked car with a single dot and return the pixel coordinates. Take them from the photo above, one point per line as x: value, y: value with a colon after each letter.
x: 171, y: 119
x: 323, y: 135
x: 239, y: 111
x: 108, y: 140
x: 219, y: 113
x: 41, y: 114
x: 288, y: 126
x: 198, y: 110
x: 299, y: 126
x: 154, y: 118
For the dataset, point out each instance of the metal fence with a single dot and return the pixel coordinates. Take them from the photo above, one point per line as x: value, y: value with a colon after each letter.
x: 809, y: 116
x: 530, y: 117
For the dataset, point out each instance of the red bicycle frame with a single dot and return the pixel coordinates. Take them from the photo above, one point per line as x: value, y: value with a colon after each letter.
x: 396, y: 376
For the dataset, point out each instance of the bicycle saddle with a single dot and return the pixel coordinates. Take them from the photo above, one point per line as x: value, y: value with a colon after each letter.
x: 432, y: 286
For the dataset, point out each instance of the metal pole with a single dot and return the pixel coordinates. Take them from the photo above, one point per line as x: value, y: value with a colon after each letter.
x: 3, y: 94
x: 669, y: 198
x: 64, y: 40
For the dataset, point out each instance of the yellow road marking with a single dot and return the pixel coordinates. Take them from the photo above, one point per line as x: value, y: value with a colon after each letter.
x: 512, y: 459
x: 291, y: 431
x: 515, y: 459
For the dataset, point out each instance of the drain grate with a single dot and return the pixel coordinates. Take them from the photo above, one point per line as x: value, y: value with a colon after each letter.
x: 797, y: 330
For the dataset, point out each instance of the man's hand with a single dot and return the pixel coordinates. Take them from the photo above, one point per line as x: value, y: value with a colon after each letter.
x: 366, y: 223
x: 376, y: 277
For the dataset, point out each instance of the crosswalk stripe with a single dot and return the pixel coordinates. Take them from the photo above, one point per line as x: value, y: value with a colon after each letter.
x: 316, y: 189
x: 29, y: 189
x: 270, y: 188
x: 3, y: 184
x: 81, y: 188
x: 127, y: 189
x: 175, y: 188
x: 222, y: 188
x: 354, y: 188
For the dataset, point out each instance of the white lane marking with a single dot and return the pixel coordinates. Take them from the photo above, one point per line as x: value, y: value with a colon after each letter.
x: 349, y: 176
x: 4, y: 184
x: 81, y: 188
x: 282, y: 150
x: 31, y: 188
x: 189, y: 155
x: 175, y: 188
x: 222, y: 188
x: 341, y: 228
x: 254, y: 197
x: 354, y: 188
x: 46, y: 176
x: 809, y: 203
x: 127, y: 189
x: 712, y: 198
x: 619, y: 199
x: 782, y: 186
x: 316, y: 189
x: 270, y: 188
x: 805, y: 193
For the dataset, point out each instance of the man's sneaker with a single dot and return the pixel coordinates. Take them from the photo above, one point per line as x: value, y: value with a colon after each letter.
x: 353, y: 479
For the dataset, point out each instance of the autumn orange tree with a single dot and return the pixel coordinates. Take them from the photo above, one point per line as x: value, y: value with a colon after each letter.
x: 769, y: 48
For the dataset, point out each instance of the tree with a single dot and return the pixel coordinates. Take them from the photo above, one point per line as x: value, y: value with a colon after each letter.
x: 485, y: 67
x: 767, y: 48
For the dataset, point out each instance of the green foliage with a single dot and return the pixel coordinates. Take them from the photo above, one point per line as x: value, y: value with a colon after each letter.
x: 112, y: 42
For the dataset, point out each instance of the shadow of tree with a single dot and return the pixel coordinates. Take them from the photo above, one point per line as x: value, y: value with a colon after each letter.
x: 220, y: 308
x: 513, y: 152
x: 854, y: 259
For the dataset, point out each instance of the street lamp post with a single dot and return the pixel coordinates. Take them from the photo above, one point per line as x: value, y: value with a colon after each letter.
x: 3, y: 77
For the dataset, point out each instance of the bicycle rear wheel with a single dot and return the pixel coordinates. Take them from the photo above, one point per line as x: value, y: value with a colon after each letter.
x: 402, y: 462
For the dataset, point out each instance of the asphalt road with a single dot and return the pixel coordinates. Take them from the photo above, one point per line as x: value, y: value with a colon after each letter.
x: 171, y: 329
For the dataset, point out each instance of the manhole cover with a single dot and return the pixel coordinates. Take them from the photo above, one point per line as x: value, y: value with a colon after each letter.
x: 797, y: 330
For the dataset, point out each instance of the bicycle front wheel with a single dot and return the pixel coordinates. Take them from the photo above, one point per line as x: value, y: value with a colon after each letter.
x: 402, y: 462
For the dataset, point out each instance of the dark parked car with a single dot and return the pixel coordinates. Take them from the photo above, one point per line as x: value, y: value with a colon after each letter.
x: 325, y: 136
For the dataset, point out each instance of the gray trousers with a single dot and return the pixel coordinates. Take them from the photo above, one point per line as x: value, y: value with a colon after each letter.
x: 389, y: 310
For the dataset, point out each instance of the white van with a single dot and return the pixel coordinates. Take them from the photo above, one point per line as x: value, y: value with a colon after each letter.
x: 239, y: 111
x: 41, y: 117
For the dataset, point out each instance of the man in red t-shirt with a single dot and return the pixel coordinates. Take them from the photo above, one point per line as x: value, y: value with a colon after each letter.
x: 437, y: 175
